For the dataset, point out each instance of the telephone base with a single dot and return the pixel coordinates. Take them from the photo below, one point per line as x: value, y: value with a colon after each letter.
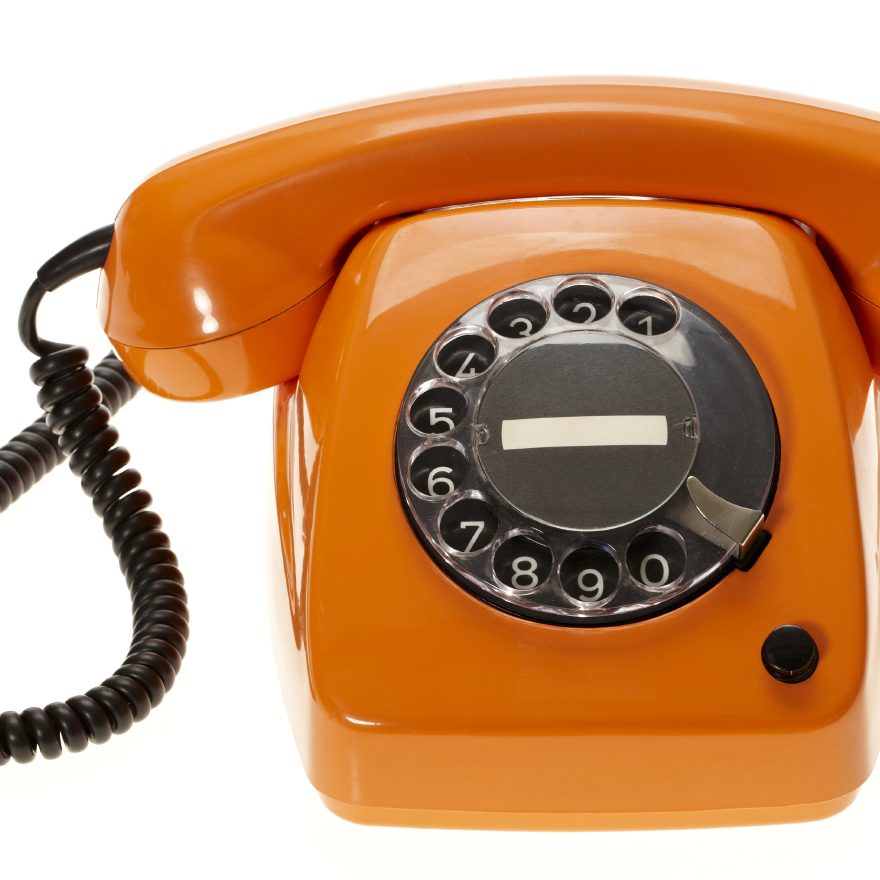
x: 510, y: 821
x: 413, y: 702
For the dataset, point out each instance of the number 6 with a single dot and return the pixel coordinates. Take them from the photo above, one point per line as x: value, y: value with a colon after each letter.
x: 434, y: 479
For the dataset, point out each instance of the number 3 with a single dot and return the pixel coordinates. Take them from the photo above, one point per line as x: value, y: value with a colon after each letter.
x: 525, y: 323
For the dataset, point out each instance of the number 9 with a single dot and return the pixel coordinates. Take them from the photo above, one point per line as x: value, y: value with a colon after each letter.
x: 591, y: 592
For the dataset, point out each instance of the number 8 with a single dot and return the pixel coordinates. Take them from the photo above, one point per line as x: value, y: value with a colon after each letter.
x: 524, y: 567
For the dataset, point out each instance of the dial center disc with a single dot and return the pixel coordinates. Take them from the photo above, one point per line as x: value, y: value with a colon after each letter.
x: 586, y: 431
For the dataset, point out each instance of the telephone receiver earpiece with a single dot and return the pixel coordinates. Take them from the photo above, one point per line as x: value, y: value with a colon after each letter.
x: 221, y: 262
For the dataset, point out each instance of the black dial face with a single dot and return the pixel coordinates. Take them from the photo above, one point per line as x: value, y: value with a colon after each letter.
x: 573, y: 450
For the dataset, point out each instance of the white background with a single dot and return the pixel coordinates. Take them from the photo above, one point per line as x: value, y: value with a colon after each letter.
x: 96, y: 95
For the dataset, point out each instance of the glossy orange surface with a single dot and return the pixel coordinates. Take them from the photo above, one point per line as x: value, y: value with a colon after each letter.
x: 265, y: 354
x: 244, y: 233
x: 414, y: 702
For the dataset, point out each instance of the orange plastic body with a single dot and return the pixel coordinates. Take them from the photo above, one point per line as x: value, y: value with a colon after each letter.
x: 220, y: 262
x: 415, y: 703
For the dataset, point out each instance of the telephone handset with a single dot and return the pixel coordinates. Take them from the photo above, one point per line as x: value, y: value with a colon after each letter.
x: 553, y: 362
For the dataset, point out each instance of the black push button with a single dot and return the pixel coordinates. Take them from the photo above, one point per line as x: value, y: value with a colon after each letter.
x: 518, y: 317
x: 790, y: 654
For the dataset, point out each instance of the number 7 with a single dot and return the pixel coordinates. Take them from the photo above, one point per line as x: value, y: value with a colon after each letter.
x: 477, y: 525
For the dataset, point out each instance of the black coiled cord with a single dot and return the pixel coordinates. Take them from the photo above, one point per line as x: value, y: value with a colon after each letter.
x: 77, y: 405
x: 31, y: 454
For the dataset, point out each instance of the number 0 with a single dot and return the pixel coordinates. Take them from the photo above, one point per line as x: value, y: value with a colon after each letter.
x: 664, y: 569
x: 586, y: 305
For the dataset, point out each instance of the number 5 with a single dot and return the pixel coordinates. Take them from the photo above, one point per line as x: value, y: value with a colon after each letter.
x: 434, y: 417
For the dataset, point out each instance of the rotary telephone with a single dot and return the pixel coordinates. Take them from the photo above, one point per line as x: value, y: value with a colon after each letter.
x: 554, y: 362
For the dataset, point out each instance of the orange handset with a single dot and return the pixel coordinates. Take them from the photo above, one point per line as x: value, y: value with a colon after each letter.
x: 576, y: 441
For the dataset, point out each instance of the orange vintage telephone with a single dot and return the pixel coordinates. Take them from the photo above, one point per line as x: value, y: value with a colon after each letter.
x: 554, y: 361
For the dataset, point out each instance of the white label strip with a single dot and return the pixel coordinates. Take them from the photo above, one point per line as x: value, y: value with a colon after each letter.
x: 584, y: 431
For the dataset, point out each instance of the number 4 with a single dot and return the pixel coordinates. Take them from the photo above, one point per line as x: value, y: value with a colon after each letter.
x: 464, y: 371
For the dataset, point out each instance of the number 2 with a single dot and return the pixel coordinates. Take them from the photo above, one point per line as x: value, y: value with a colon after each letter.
x: 585, y: 305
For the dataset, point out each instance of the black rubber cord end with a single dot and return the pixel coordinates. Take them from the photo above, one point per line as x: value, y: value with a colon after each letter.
x: 84, y: 255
